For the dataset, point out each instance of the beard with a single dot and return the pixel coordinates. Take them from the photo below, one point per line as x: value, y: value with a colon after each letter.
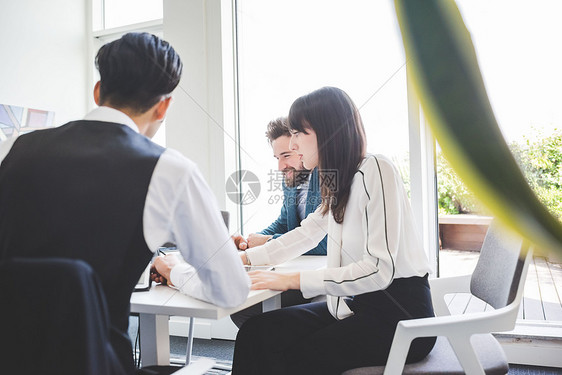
x: 297, y: 177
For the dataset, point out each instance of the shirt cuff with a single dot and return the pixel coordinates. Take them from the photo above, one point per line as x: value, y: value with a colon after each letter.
x: 180, y: 273
x: 258, y: 256
x: 312, y: 283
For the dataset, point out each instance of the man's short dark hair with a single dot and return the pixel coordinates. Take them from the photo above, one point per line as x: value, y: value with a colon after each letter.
x: 277, y: 128
x: 137, y: 70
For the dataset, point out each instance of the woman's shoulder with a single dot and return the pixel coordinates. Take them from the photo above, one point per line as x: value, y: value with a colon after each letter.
x: 372, y: 162
x: 375, y: 169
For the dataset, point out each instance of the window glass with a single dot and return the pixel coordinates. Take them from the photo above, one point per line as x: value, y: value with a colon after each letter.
x: 291, y: 47
x: 517, y: 46
x: 117, y: 13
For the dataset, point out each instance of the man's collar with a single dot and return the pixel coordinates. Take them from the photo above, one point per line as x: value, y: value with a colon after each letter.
x: 305, y: 183
x: 108, y: 114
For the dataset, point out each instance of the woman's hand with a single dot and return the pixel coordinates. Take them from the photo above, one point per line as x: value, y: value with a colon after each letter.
x: 256, y: 239
x: 274, y: 280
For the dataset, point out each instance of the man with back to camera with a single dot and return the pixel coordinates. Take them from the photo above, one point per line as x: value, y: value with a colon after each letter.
x: 301, y: 196
x: 100, y: 190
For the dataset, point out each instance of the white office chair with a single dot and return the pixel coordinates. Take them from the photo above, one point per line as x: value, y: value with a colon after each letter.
x: 465, y: 343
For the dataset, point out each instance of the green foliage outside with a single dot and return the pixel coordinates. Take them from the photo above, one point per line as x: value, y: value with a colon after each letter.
x: 452, y: 194
x: 540, y: 159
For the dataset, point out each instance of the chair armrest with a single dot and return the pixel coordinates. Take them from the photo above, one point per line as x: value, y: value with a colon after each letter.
x: 446, y: 285
x: 457, y: 328
x: 199, y: 367
x: 459, y: 325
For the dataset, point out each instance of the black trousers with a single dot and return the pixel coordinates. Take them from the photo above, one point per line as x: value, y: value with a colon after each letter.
x: 307, y: 339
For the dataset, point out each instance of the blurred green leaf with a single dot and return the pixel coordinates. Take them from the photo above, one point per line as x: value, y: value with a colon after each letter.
x: 449, y: 84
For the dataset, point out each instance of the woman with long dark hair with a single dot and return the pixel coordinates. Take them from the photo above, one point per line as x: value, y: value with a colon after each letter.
x: 377, y: 269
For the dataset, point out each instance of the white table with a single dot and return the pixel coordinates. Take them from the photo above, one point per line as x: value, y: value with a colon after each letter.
x: 160, y: 302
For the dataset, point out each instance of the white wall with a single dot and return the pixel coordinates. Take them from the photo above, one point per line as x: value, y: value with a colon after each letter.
x: 202, y: 113
x: 44, y: 56
x: 200, y: 122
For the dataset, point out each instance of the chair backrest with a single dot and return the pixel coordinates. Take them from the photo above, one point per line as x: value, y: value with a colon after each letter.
x: 53, y: 319
x: 498, y: 273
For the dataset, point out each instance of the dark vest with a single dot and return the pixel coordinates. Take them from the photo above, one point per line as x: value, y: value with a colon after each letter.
x: 78, y: 191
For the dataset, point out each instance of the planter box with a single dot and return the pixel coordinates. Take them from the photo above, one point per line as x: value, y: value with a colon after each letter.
x: 463, y: 232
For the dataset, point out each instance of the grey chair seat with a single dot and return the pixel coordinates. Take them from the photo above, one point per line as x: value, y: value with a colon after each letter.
x: 442, y: 359
x: 498, y: 280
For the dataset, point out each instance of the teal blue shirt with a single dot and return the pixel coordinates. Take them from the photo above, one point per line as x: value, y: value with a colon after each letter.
x: 289, y: 217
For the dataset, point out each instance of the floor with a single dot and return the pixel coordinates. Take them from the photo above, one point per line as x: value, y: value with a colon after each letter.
x: 222, y: 351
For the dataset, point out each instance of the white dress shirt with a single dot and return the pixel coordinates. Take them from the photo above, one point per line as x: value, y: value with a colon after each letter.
x: 376, y: 242
x: 181, y: 209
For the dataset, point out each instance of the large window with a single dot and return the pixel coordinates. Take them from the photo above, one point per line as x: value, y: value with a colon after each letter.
x: 516, y: 43
x: 517, y: 47
x: 289, y: 48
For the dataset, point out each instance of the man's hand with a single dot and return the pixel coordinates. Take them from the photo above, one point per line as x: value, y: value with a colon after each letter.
x: 162, y: 267
x: 275, y: 280
x: 240, y: 242
x: 256, y: 239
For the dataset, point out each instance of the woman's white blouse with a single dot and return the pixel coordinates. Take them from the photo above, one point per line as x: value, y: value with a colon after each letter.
x: 376, y: 243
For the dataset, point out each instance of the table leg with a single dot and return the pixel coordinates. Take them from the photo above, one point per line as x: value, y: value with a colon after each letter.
x: 189, y: 342
x: 154, y: 339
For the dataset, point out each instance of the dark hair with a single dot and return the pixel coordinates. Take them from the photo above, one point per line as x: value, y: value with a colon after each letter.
x: 137, y: 70
x: 340, y: 136
x: 277, y: 128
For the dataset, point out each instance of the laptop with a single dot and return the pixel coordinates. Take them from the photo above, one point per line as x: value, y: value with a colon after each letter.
x: 259, y: 268
x: 144, y: 281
